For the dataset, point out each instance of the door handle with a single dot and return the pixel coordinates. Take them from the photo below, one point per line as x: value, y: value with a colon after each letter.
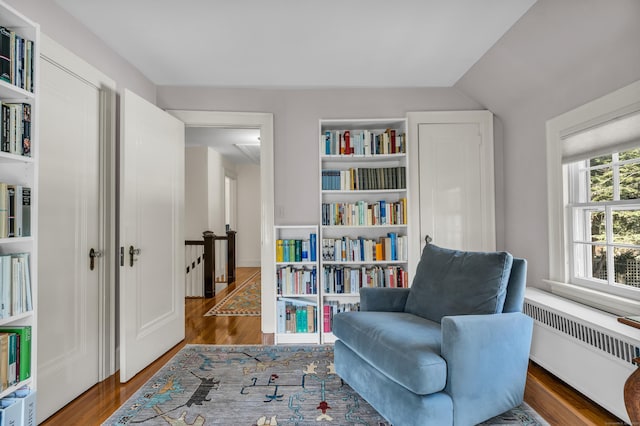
x: 427, y: 239
x: 93, y: 253
x: 133, y: 252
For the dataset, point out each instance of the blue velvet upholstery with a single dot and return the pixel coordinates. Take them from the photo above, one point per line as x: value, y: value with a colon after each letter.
x: 462, y: 283
x: 455, y: 370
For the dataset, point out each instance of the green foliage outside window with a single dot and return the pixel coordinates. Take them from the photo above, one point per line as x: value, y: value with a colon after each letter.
x: 626, y: 223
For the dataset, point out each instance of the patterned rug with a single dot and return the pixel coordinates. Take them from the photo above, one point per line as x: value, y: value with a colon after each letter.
x: 255, y: 386
x: 244, y: 300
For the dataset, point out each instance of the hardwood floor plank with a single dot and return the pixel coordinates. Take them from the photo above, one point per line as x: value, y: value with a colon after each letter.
x: 550, y: 397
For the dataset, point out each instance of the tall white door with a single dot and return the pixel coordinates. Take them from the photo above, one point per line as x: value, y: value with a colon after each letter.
x: 70, y: 225
x: 151, y: 234
x: 453, y: 174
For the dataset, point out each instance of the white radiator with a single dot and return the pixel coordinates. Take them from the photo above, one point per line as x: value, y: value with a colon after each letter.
x: 194, y: 280
x: 586, y: 348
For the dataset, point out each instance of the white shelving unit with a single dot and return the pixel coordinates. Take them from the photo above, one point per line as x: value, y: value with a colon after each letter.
x: 369, y: 179
x: 297, y: 284
x: 23, y: 170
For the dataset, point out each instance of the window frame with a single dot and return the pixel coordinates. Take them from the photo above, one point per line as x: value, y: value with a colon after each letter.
x: 601, y: 111
x: 579, y: 203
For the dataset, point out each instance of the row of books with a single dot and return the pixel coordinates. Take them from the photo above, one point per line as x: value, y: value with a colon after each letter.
x: 364, y: 142
x: 291, y: 280
x: 296, y: 316
x: 392, y: 247
x: 15, y: 355
x: 364, y: 179
x: 15, y: 211
x: 331, y: 308
x: 292, y: 250
x: 16, y: 59
x: 16, y: 129
x: 15, y: 285
x: 19, y: 408
x: 363, y: 213
x: 347, y: 280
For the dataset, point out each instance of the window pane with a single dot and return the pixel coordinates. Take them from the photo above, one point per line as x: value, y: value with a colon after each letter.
x: 598, y: 223
x: 629, y: 155
x: 601, y: 184
x: 598, y: 161
x: 627, y: 266
x: 599, y: 262
x: 626, y: 226
x: 630, y: 181
x: 590, y: 261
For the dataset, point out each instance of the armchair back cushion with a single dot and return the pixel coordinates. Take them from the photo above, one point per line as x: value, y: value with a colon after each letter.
x: 452, y: 282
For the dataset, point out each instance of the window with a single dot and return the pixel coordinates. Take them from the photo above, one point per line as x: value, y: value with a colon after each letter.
x: 604, y: 210
x: 593, y: 185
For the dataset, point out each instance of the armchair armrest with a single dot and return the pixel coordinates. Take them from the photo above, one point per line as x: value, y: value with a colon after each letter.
x: 487, y: 359
x: 383, y: 299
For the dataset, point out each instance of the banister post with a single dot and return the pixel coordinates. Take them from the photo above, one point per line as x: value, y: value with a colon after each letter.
x: 209, y: 263
x: 231, y: 257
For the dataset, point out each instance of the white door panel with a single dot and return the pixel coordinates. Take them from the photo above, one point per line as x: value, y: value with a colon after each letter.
x: 152, y: 214
x: 451, y: 174
x: 68, y: 321
x: 451, y: 184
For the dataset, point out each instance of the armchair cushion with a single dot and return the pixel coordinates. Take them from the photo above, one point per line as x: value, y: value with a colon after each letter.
x: 452, y: 282
x: 403, y: 347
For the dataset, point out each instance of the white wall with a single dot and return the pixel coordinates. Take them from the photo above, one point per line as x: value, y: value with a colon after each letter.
x: 560, y: 55
x: 196, y: 190
x: 248, y: 236
x: 62, y: 27
x: 296, y: 115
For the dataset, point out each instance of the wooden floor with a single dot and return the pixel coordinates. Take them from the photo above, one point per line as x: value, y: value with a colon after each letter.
x: 558, y: 403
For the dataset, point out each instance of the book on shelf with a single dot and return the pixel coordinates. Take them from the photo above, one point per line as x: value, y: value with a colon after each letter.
x: 23, y: 334
x: 392, y: 247
x: 364, y: 213
x: 364, y: 179
x: 364, y: 142
x: 15, y: 284
x: 16, y: 59
x: 17, y: 200
x: 296, y: 250
x: 16, y: 128
x: 296, y: 280
x: 349, y: 280
x: 296, y: 316
x: 10, y: 352
x: 331, y: 308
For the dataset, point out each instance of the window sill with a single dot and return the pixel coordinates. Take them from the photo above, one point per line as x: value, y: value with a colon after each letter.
x: 604, y: 301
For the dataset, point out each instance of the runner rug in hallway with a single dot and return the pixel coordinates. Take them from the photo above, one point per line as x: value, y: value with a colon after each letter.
x: 258, y: 385
x: 244, y: 300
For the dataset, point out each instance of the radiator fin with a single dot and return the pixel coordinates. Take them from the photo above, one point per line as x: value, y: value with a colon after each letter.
x: 583, y: 332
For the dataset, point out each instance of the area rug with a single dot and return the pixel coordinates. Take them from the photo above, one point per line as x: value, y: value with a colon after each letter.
x: 244, y: 300
x: 255, y: 386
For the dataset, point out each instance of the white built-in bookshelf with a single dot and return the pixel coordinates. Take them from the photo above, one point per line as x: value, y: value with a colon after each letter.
x: 297, y: 284
x: 363, y: 219
x: 19, y: 42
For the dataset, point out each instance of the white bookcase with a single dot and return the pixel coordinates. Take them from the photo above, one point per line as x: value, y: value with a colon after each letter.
x: 297, y: 284
x: 364, y: 201
x: 22, y: 170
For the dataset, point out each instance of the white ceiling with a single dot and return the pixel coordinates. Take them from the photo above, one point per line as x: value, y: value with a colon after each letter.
x: 300, y: 43
x: 225, y: 140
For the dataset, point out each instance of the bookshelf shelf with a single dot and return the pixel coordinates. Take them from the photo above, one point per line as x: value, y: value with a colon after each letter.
x: 297, y: 286
x: 19, y: 173
x: 363, y: 198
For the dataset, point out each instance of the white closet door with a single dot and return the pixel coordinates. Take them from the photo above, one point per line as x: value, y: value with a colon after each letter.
x: 69, y: 308
x: 151, y: 225
x: 452, y: 171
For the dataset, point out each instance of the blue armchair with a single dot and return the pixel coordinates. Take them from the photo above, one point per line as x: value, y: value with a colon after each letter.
x: 451, y: 350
